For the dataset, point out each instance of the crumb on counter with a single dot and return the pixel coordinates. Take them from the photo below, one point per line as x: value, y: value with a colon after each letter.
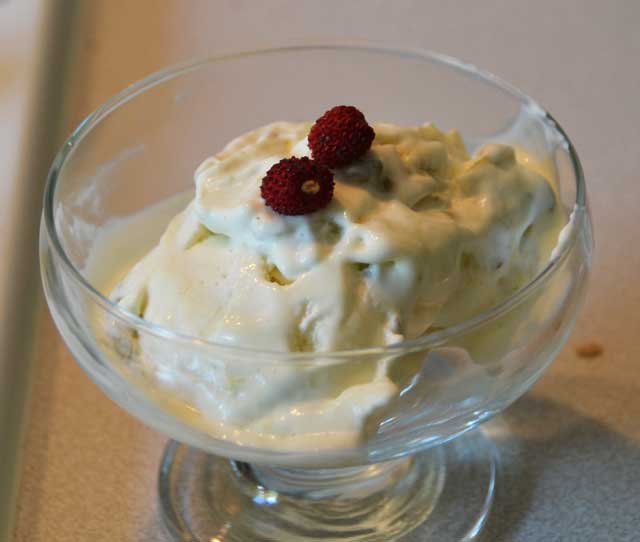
x: 589, y: 349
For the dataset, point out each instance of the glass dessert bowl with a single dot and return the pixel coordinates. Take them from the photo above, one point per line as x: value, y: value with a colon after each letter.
x: 419, y: 458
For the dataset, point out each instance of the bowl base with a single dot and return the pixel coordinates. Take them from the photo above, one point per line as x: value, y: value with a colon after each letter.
x: 444, y: 493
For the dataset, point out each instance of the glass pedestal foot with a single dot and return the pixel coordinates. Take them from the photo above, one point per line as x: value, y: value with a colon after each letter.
x: 443, y: 494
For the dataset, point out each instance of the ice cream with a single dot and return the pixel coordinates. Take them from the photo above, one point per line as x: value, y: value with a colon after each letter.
x: 419, y: 236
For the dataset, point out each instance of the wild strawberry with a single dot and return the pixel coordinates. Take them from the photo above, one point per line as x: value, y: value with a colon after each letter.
x: 297, y: 186
x: 340, y: 136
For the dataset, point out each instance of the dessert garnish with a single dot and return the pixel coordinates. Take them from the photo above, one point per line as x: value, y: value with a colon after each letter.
x: 340, y: 136
x: 297, y: 186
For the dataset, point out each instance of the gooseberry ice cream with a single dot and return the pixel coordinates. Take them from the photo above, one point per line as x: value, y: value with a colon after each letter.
x: 419, y: 236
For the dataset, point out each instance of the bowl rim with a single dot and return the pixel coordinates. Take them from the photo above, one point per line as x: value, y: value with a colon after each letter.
x: 428, y: 340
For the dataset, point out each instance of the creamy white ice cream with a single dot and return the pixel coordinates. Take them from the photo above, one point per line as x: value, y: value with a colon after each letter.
x: 419, y: 236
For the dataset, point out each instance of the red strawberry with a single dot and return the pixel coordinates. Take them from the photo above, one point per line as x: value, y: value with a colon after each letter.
x: 340, y: 136
x: 297, y: 186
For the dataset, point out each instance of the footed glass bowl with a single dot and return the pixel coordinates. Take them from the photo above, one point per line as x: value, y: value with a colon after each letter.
x: 420, y: 459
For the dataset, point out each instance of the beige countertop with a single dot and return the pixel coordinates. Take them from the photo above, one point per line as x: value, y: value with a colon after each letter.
x: 571, y: 456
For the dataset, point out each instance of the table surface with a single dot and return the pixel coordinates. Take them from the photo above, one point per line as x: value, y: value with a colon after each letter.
x: 571, y: 449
